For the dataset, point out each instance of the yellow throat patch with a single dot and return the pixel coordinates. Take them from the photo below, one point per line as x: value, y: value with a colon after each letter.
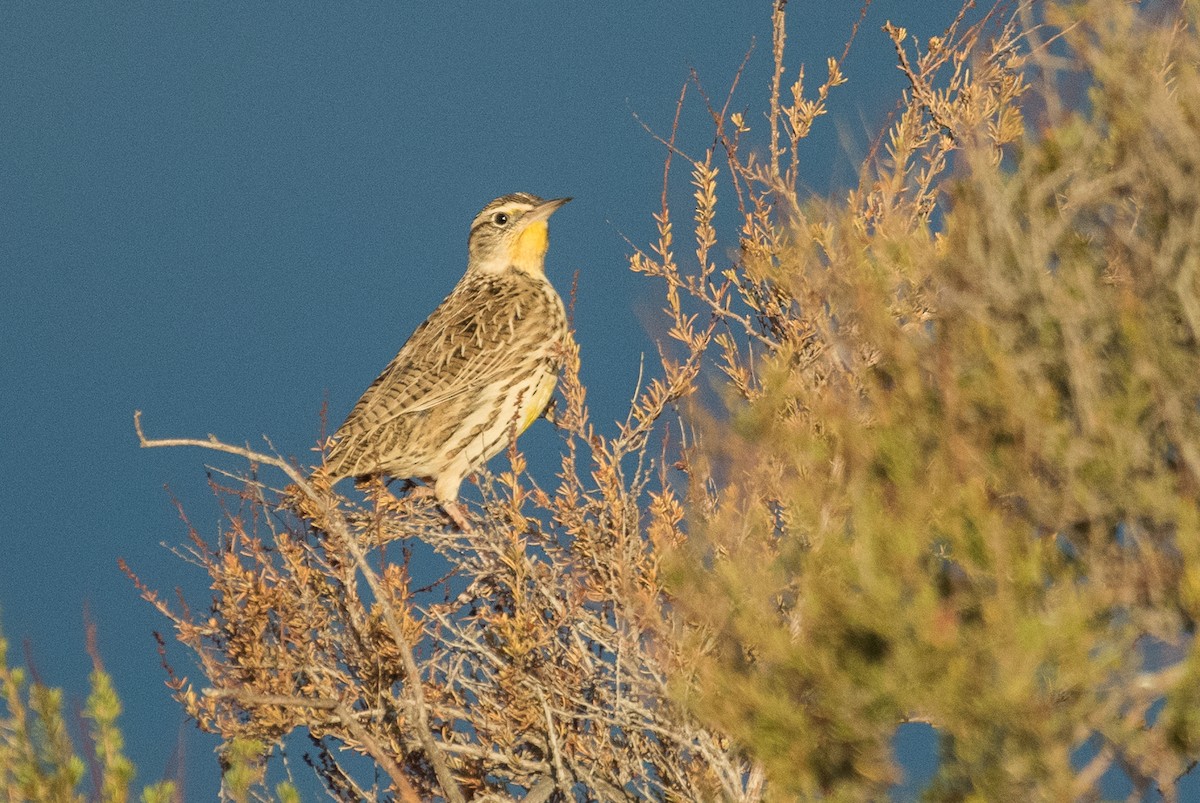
x: 530, y: 248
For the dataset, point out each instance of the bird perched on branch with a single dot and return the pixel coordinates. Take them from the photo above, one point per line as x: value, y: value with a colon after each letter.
x: 476, y: 373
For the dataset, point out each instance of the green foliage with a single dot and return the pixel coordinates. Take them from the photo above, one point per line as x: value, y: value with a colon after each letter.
x: 103, y: 708
x: 244, y: 767
x: 38, y: 761
x: 287, y: 793
x: 969, y: 495
x: 161, y: 792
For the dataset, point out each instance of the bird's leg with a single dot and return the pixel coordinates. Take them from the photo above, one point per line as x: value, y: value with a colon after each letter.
x: 457, y: 512
x: 409, y: 485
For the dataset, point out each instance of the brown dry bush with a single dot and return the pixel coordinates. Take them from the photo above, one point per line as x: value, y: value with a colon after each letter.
x: 955, y: 482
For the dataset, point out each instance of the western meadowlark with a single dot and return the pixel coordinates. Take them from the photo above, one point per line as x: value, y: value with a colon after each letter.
x: 480, y: 369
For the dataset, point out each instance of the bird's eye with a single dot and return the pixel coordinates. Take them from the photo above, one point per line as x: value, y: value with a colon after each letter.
x: 500, y: 218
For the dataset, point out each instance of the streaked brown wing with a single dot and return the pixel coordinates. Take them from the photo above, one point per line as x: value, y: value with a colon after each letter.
x: 474, y: 337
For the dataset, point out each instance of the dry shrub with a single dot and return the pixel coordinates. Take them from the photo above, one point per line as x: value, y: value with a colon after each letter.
x: 537, y: 666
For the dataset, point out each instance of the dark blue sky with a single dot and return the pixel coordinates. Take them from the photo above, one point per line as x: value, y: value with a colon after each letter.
x: 222, y: 213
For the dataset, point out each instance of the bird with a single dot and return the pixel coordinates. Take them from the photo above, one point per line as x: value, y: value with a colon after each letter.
x: 480, y: 369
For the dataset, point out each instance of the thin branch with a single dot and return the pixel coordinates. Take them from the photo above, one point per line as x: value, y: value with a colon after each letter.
x: 336, y: 525
x: 560, y: 771
x: 218, y: 446
x: 407, y: 792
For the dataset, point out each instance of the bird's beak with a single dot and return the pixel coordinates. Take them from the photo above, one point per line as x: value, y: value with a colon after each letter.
x: 530, y: 244
x: 544, y: 210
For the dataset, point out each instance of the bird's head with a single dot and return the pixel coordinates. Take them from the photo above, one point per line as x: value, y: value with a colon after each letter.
x: 512, y: 230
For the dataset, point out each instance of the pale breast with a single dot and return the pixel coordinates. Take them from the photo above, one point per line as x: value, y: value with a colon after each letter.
x: 483, y: 364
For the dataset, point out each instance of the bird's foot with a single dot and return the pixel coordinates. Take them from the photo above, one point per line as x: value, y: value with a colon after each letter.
x: 457, y: 513
x: 385, y: 500
x: 454, y: 510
